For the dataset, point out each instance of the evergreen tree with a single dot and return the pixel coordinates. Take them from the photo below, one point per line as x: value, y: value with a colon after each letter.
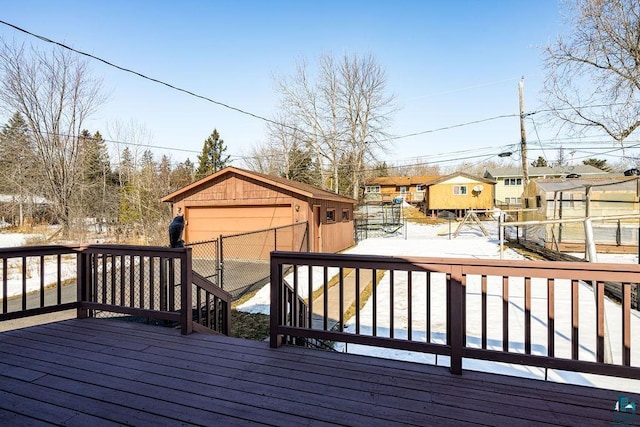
x: 18, y: 171
x: 301, y: 166
x: 96, y: 197
x: 182, y: 175
x: 539, y: 162
x: 213, y: 156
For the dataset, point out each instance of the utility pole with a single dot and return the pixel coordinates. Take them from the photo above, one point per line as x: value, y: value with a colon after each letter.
x: 523, y: 136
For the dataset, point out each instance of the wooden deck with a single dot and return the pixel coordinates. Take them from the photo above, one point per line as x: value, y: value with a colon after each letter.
x: 102, y: 372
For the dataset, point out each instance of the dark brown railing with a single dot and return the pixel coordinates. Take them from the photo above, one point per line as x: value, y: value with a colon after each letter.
x: 139, y: 281
x: 542, y: 294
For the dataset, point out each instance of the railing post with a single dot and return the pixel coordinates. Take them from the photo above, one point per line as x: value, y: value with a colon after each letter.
x: 455, y: 318
x: 82, y: 283
x: 275, y: 340
x: 186, y: 305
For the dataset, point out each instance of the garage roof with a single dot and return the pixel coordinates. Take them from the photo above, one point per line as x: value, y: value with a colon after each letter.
x: 286, y: 184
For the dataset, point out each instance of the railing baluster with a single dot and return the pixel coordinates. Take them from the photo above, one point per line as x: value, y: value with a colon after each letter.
x: 132, y: 286
x: 325, y: 299
x: 42, y: 281
x: 104, y: 279
x: 310, y: 293
x: 141, y: 285
x: 626, y: 324
x: 374, y: 295
x: 5, y: 286
x: 484, y: 310
x: 112, y: 259
x: 505, y: 313
x: 391, y: 303
x: 24, y: 283
x: 357, y: 300
x: 59, y: 279
x: 551, y: 318
x: 599, y: 290
x: 409, y: 306
x: 428, y: 302
x: 527, y: 315
x: 574, y: 319
x: 341, y: 301
x: 295, y: 300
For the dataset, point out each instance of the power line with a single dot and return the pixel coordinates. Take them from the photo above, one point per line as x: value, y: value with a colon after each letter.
x: 127, y: 70
x: 222, y: 104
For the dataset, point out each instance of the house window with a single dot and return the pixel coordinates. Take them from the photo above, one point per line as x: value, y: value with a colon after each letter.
x: 372, y: 189
x: 403, y: 190
x: 420, y: 187
x: 345, y: 214
x: 513, y: 181
x: 331, y: 215
x: 538, y: 201
x: 459, y: 190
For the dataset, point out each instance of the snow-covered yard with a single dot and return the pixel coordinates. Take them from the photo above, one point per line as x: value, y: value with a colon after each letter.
x: 434, y: 241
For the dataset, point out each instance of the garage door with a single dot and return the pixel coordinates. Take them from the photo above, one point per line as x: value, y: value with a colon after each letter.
x: 206, y: 223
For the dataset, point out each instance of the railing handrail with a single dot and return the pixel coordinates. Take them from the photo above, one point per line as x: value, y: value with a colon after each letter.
x: 457, y: 271
x: 87, y: 272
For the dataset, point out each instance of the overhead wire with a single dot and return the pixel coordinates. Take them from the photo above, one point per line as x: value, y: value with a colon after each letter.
x: 266, y: 119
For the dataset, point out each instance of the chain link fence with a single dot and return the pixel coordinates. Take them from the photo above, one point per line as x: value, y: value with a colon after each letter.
x: 239, y: 263
x: 245, y: 257
x: 205, y: 258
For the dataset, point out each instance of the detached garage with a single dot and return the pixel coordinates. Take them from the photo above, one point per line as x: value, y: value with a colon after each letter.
x: 233, y: 201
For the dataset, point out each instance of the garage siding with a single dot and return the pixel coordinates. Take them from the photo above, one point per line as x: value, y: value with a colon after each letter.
x: 206, y: 223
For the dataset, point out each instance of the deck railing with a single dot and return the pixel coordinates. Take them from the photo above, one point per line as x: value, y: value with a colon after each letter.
x: 534, y: 313
x: 138, y: 281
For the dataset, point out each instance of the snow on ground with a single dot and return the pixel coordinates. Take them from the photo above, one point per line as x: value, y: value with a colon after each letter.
x: 435, y: 241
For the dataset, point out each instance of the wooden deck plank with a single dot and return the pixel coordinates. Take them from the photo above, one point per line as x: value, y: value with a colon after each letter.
x: 447, y: 393
x: 208, y: 384
x: 138, y: 374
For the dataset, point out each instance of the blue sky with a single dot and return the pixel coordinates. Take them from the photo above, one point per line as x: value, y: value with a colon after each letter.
x: 447, y: 63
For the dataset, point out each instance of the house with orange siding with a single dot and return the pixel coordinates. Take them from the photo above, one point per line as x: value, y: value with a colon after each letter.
x: 386, y: 189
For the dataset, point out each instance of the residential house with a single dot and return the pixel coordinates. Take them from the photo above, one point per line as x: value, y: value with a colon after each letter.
x: 509, y: 180
x: 458, y: 193
x: 575, y: 199
x: 385, y: 189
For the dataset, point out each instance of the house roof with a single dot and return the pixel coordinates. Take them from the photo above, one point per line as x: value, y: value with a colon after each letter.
x: 283, y: 183
x: 400, y: 180
x: 440, y: 179
x: 617, y: 183
x: 537, y: 171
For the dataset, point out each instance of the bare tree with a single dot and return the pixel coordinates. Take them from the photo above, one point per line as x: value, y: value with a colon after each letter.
x: 55, y: 93
x: 593, y: 75
x: 340, y: 115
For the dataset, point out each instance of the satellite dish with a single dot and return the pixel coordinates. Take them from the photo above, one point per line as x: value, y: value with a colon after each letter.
x: 478, y: 188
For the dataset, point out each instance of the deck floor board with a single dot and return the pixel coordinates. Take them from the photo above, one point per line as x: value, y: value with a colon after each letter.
x: 99, y: 371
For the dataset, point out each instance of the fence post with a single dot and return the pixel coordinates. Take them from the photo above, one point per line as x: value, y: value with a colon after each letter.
x: 275, y: 309
x: 186, y: 305
x: 82, y: 283
x: 221, y: 262
x: 455, y: 318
